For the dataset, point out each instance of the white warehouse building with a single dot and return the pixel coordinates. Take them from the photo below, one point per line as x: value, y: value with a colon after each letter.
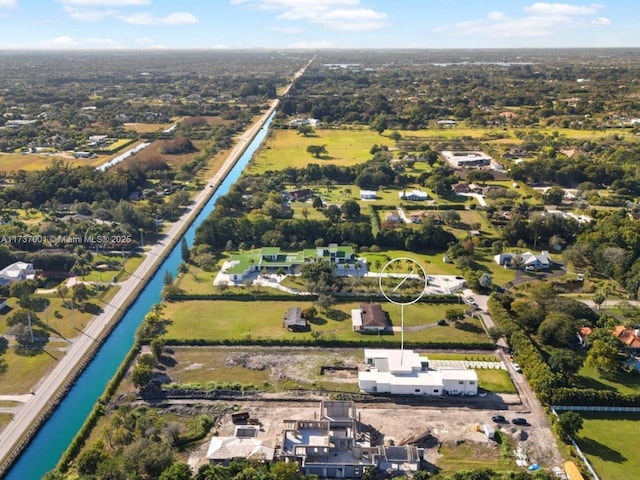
x: 407, y: 373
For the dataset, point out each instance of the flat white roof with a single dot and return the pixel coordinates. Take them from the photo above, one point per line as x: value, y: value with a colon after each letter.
x: 458, y: 374
x: 397, y: 360
x: 356, y: 317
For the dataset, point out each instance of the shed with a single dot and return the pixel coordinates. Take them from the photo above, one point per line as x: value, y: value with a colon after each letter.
x: 293, y: 320
x: 489, y: 431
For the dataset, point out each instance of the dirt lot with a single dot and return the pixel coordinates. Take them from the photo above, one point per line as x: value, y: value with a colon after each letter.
x: 396, y: 424
x: 449, y: 420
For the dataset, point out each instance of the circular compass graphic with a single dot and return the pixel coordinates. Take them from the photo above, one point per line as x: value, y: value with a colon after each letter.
x: 396, y: 273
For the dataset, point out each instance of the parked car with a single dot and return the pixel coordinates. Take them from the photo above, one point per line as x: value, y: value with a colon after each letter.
x: 442, y: 322
x: 516, y: 367
x: 470, y: 301
x: 498, y: 419
x: 520, y: 421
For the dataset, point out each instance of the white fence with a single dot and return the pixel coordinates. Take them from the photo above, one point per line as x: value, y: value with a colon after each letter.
x: 595, y: 408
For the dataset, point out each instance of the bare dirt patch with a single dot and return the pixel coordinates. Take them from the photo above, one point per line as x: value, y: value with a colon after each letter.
x: 458, y: 429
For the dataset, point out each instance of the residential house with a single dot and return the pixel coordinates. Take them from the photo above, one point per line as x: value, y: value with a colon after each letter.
x: 301, y: 195
x: 272, y: 260
x: 293, y: 320
x: 405, y: 372
x: 461, y: 188
x: 392, y: 217
x: 243, y: 444
x: 466, y: 159
x: 335, y: 445
x: 368, y: 195
x: 630, y: 337
x: 583, y: 335
x: 528, y: 260
x: 314, y: 122
x: 369, y: 318
x: 16, y: 272
x: 516, y: 153
x: 414, y: 195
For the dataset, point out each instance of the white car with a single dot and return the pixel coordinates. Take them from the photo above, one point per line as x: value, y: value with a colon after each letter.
x: 516, y: 367
x: 470, y: 301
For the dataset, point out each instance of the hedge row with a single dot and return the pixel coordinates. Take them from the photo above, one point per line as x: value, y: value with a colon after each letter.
x: 355, y: 297
x: 375, y: 220
x: 448, y: 206
x: 541, y: 378
x: 591, y: 396
x: 310, y: 342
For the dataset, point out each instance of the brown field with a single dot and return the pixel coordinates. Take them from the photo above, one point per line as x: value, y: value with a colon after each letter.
x: 153, y: 152
x: 146, y: 127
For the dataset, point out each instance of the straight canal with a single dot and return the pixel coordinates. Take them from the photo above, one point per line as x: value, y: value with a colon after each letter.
x: 47, y: 447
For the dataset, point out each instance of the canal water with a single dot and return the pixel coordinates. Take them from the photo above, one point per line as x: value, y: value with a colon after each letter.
x: 47, y: 447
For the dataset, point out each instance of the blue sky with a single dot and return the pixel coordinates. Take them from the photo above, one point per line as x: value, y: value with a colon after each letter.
x: 135, y: 24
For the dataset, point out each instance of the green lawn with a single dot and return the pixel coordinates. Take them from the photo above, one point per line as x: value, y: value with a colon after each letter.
x: 497, y: 381
x: 623, y: 383
x: 610, y: 442
x: 196, y: 281
x: 56, y: 314
x: 24, y: 371
x: 113, y: 267
x: 224, y: 319
x: 5, y: 418
x: 285, y: 148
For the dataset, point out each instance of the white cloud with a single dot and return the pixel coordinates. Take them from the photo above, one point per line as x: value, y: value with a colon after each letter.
x: 176, y: 18
x: 347, y: 15
x: 540, y: 20
x: 67, y: 42
x: 542, y: 8
x: 601, y: 21
x: 8, y: 3
x: 88, y: 15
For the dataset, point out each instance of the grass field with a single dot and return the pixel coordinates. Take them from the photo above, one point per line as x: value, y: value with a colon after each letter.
x: 472, y: 455
x: 5, y: 418
x: 224, y: 319
x: 57, y: 314
x: 623, y: 382
x: 491, y: 134
x: 24, y: 371
x: 497, y: 381
x: 122, y: 272
x: 610, y: 442
x: 285, y: 148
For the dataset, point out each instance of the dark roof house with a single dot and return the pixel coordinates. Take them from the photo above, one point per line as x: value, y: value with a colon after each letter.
x: 293, y: 320
x: 369, y: 318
